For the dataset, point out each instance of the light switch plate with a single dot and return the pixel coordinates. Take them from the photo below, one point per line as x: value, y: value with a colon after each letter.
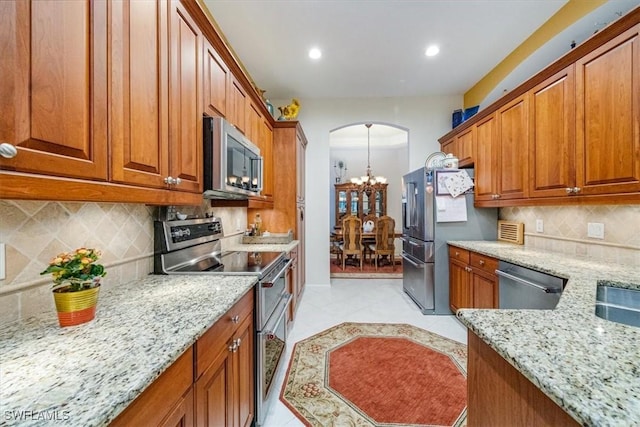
x: 539, y: 226
x: 2, y: 262
x: 595, y: 230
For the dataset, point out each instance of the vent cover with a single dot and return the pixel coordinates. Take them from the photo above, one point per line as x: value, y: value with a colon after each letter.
x: 509, y: 231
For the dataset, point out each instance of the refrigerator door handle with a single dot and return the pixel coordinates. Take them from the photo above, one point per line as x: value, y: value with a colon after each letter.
x: 421, y: 265
x: 408, y: 212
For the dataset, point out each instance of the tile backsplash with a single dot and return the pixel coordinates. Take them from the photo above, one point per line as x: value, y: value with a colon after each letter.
x: 565, y: 230
x: 34, y: 231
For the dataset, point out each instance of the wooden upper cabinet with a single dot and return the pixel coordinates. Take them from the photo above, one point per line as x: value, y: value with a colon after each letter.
x: 185, y: 106
x: 608, y: 117
x: 139, y: 92
x: 236, y: 104
x: 513, y: 142
x: 267, y: 156
x: 216, y: 82
x: 301, y: 150
x: 53, y: 90
x: 464, y: 146
x: 253, y: 120
x: 486, y: 164
x: 552, y: 132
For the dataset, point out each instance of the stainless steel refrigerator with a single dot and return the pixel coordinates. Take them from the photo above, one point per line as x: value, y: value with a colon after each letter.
x: 425, y: 234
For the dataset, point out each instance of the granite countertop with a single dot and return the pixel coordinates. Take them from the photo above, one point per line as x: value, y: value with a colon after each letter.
x: 87, y: 374
x: 589, y: 366
x: 264, y: 247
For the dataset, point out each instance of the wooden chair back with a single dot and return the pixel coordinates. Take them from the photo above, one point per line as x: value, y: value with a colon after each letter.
x: 351, y: 238
x: 385, y: 235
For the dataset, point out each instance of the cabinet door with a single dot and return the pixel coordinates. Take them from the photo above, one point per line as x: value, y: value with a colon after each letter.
x: 300, y: 224
x: 139, y: 115
x: 513, y: 137
x: 300, y: 165
x: 214, y: 393
x: 552, y: 148
x: 266, y: 136
x: 182, y: 414
x: 216, y: 82
x: 464, y: 146
x: 608, y: 117
x: 53, y: 90
x: 484, y: 289
x: 185, y: 108
x: 243, y: 376
x: 459, y: 290
x: 236, y: 106
x: 486, y: 165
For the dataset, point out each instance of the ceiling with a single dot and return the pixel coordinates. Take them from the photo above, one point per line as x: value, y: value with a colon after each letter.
x: 374, y: 48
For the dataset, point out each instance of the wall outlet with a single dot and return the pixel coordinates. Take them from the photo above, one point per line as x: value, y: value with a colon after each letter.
x: 595, y: 230
x: 539, y: 226
x: 2, y: 263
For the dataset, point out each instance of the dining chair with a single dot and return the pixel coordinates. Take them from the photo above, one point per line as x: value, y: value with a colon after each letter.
x: 370, y: 238
x: 384, y: 244
x: 351, y: 238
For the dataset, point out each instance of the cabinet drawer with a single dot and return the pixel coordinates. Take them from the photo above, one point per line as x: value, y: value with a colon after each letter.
x: 461, y: 255
x: 219, y: 335
x: 483, y: 263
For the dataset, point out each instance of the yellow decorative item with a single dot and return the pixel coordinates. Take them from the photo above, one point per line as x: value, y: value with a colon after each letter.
x: 289, y: 112
x: 76, y: 278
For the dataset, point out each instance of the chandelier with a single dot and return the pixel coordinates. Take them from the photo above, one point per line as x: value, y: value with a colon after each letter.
x: 366, y: 182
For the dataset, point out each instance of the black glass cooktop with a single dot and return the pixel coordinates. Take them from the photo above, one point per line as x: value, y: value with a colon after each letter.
x: 234, y: 262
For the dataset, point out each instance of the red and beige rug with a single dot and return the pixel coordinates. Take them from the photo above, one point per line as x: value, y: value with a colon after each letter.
x: 368, y: 374
x: 352, y: 270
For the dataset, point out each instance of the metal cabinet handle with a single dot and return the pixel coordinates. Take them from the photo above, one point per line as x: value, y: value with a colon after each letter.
x: 569, y: 190
x: 468, y: 269
x: 481, y: 262
x: 238, y: 342
x: 576, y: 190
x: 8, y: 151
x: 233, y: 347
x: 172, y: 181
x: 235, y: 319
x: 457, y: 253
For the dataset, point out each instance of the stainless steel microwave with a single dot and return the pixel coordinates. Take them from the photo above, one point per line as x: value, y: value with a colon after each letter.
x: 232, y: 163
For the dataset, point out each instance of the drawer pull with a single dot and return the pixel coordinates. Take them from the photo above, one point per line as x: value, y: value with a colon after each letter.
x: 235, y: 319
x: 481, y: 262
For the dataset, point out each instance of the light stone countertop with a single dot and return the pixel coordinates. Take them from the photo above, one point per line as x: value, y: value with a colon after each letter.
x: 264, y: 247
x: 589, y: 366
x: 86, y: 375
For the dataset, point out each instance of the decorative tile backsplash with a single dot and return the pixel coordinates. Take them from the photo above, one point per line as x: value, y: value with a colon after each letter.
x: 565, y: 230
x: 33, y: 232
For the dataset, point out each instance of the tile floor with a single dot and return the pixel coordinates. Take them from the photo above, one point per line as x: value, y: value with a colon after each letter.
x: 354, y: 300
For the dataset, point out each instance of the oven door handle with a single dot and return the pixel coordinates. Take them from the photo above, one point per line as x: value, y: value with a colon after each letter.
x: 269, y: 283
x: 272, y: 324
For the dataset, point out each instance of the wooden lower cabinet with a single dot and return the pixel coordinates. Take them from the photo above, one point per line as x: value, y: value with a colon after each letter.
x: 167, y: 401
x: 225, y: 386
x: 499, y: 395
x: 212, y: 384
x: 294, y: 286
x: 472, y: 281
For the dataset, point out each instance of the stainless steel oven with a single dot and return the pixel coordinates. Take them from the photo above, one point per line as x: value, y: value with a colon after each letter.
x: 193, y: 247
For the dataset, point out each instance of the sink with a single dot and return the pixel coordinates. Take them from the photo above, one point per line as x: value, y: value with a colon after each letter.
x: 618, y: 305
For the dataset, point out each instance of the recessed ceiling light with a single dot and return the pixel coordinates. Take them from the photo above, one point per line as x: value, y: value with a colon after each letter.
x: 315, y: 53
x: 432, y: 50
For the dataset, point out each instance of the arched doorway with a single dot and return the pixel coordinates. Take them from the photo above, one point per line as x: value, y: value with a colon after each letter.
x: 352, y: 149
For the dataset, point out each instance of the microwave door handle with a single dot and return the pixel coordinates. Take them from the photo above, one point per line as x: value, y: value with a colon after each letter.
x: 259, y: 161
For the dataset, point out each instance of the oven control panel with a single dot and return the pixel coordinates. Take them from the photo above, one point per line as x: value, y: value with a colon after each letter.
x: 184, y: 233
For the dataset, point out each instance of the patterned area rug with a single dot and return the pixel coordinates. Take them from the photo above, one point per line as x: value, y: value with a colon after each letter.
x: 352, y: 270
x: 368, y: 374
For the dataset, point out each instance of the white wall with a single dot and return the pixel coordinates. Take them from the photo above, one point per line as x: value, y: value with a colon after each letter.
x: 427, y: 119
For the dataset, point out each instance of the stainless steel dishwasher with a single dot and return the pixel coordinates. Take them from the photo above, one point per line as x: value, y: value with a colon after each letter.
x: 521, y: 287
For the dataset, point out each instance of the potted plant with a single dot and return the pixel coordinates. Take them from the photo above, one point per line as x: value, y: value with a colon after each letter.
x: 76, y: 282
